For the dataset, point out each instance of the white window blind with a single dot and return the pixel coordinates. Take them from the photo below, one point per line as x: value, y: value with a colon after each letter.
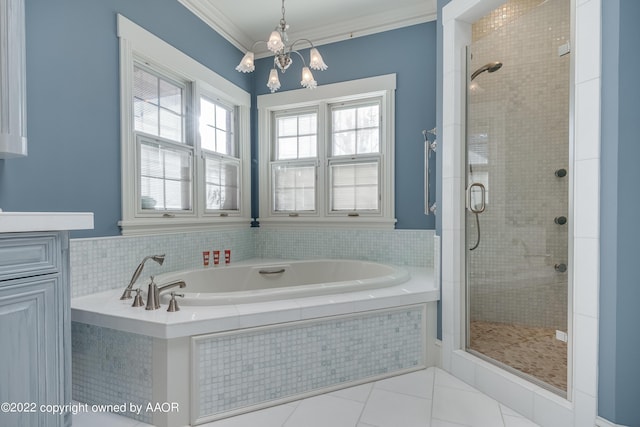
x: 165, y: 176
x: 158, y: 105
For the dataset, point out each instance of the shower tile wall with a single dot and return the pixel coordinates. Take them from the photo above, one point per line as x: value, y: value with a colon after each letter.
x: 99, y: 264
x: 514, y: 276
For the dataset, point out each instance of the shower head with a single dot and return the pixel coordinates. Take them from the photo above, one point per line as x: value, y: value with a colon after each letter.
x: 490, y: 67
x: 158, y: 258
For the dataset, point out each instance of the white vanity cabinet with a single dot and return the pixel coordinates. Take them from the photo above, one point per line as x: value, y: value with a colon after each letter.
x: 35, y: 335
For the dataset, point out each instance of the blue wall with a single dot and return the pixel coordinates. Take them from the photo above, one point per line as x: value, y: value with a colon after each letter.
x: 619, y: 370
x: 410, y: 53
x: 73, y: 119
x: 73, y: 101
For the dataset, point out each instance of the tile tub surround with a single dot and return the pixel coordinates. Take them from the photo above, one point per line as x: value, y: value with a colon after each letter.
x: 111, y: 367
x: 98, y: 264
x: 171, y: 332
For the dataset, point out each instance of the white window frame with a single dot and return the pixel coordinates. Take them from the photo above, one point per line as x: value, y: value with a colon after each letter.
x: 139, y: 45
x: 382, y: 87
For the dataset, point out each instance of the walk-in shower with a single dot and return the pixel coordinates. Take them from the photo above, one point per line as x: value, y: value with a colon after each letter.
x: 517, y: 218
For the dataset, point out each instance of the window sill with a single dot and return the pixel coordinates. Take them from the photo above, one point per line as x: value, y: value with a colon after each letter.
x: 137, y: 227
x: 360, y: 222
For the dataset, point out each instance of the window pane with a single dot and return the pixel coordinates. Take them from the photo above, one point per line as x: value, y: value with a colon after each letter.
x: 170, y: 125
x: 368, y: 116
x: 355, y: 130
x: 170, y: 97
x: 344, y: 143
x: 297, y: 136
x: 222, y: 184
x: 287, y: 148
x: 157, y: 106
x: 344, y: 119
x: 294, y: 188
x: 354, y: 186
x: 287, y: 126
x: 368, y: 141
x: 165, y: 177
x: 221, y: 118
x: 216, y: 128
x: 146, y: 117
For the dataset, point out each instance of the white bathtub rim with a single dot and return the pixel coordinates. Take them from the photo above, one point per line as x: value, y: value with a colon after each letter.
x: 398, y: 276
x: 106, y: 310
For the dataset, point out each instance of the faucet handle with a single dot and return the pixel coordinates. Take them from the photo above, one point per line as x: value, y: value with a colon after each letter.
x: 137, y: 300
x: 173, y: 304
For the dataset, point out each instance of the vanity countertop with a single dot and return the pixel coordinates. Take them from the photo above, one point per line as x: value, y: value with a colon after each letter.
x: 13, y: 222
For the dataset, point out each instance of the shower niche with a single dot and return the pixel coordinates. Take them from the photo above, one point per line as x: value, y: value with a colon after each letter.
x: 517, y: 217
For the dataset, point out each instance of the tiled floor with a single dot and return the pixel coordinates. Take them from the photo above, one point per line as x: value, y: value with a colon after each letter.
x: 534, y: 351
x: 428, y: 398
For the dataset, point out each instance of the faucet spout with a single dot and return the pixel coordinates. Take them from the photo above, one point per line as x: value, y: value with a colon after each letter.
x: 153, y: 295
x: 136, y: 274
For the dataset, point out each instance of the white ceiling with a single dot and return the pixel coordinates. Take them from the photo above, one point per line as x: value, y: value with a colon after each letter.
x: 243, y: 22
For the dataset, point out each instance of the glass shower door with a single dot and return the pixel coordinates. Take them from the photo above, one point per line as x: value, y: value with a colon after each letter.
x: 517, y: 189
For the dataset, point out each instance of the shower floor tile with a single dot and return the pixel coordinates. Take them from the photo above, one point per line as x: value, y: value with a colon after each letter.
x: 534, y: 351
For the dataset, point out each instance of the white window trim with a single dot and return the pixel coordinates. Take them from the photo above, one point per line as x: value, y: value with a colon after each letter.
x: 380, y: 86
x: 136, y: 43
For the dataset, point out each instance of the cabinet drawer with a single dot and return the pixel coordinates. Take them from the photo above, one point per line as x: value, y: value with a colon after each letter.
x: 28, y: 254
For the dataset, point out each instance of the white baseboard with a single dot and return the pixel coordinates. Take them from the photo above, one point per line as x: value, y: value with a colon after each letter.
x: 601, y: 422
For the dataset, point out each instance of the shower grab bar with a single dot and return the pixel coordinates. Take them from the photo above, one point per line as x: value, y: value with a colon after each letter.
x: 428, y: 148
x: 483, y: 191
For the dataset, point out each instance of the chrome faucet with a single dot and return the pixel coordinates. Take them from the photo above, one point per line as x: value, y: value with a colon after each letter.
x: 127, y: 292
x: 153, y: 295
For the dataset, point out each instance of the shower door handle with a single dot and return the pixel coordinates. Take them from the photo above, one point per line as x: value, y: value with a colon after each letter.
x: 483, y: 191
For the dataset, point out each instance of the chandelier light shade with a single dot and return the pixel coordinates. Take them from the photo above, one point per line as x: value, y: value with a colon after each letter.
x: 282, y: 51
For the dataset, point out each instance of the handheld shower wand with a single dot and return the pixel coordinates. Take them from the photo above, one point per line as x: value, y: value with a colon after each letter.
x: 127, y: 292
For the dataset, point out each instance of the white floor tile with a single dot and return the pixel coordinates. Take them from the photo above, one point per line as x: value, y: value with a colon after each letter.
x: 440, y: 423
x: 510, y: 421
x: 103, y: 419
x: 402, y: 401
x: 270, y: 417
x: 325, y: 410
x: 359, y: 393
x: 469, y: 408
x: 419, y: 384
x: 388, y: 409
x: 443, y: 379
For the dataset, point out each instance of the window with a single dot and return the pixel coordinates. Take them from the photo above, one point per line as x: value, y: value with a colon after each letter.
x: 329, y: 155
x: 185, y: 140
x: 293, y: 169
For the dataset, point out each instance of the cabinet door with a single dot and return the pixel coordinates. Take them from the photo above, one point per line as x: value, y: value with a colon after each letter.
x: 30, y: 324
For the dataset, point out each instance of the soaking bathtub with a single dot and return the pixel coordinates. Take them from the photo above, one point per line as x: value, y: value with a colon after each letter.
x: 277, y: 280
x: 250, y: 335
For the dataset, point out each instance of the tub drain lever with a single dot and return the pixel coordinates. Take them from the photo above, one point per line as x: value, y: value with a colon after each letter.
x: 173, y: 304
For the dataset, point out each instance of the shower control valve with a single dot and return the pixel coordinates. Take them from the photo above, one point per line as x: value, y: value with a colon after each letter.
x: 560, y: 268
x: 560, y: 220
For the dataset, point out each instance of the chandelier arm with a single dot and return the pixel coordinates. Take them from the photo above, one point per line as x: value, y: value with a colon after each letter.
x: 298, y: 53
x: 302, y: 40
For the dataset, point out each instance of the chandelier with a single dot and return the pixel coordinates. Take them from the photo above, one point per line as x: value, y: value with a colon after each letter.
x: 278, y: 44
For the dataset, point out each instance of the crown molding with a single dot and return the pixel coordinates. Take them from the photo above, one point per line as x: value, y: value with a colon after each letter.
x: 331, y: 33
x: 213, y: 17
